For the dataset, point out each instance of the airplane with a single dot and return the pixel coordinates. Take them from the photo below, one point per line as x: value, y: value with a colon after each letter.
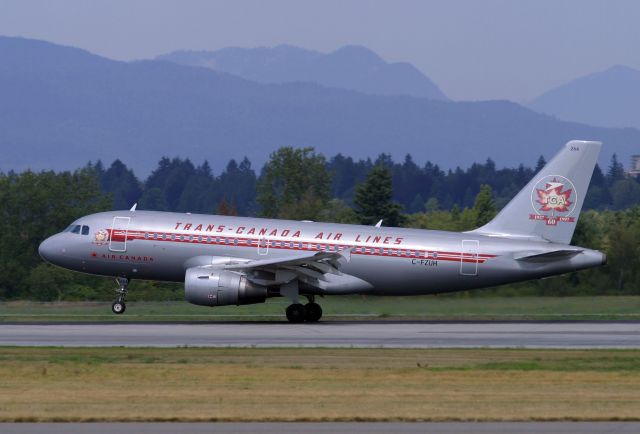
x: 225, y: 260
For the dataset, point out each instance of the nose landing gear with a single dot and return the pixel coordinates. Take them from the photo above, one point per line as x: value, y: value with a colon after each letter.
x: 118, y: 307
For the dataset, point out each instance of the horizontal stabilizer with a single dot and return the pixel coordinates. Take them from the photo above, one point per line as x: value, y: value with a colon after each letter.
x: 554, y: 255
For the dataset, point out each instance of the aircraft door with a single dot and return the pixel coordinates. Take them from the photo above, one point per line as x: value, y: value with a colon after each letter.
x: 119, y: 232
x: 263, y: 246
x: 469, y: 257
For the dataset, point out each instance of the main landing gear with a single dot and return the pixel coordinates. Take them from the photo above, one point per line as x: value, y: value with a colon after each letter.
x: 311, y: 312
x: 118, y: 307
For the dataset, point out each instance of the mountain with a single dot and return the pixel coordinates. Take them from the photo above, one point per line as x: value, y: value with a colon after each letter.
x: 609, y: 98
x: 61, y: 107
x: 351, y: 67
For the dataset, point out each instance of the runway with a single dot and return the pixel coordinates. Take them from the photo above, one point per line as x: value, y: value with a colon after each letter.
x: 330, y: 334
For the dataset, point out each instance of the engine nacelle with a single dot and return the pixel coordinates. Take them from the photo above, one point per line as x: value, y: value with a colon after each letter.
x: 207, y: 287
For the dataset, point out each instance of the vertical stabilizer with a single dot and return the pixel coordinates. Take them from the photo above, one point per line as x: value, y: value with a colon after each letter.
x: 549, y: 206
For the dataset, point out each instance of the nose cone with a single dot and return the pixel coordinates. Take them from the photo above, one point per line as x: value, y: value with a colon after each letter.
x: 47, y: 249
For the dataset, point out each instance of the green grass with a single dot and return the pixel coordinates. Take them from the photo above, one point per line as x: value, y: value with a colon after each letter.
x: 559, y: 360
x: 342, y: 308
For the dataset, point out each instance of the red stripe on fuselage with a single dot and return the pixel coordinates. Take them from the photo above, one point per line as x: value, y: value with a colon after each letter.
x: 177, y: 237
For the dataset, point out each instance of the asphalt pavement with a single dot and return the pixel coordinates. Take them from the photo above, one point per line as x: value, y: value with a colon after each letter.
x: 597, y: 334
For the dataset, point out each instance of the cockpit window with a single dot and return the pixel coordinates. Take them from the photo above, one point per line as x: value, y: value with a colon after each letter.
x: 85, y: 230
x: 76, y: 229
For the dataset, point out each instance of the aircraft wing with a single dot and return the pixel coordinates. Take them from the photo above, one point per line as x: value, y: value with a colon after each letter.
x: 310, y: 268
x: 325, y: 262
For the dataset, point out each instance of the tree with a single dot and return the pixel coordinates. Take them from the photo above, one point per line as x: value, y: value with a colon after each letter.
x: 226, y: 208
x: 35, y: 206
x: 598, y: 195
x: 294, y: 184
x: 484, y: 206
x: 616, y: 170
x: 121, y: 183
x: 153, y: 199
x: 623, y: 254
x: 625, y: 193
x: 373, y: 199
x: 337, y: 211
x: 540, y: 164
x: 432, y: 205
x: 238, y: 184
x: 200, y: 193
x: 417, y: 204
x: 172, y: 177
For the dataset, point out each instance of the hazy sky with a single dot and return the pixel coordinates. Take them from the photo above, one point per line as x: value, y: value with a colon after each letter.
x: 471, y: 49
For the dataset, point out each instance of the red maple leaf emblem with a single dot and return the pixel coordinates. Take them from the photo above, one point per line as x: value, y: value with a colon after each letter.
x: 552, y: 198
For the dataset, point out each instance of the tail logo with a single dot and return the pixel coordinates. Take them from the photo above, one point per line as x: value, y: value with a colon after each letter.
x: 553, y: 199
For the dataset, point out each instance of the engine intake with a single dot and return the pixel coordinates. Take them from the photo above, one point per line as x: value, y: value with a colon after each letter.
x: 207, y: 287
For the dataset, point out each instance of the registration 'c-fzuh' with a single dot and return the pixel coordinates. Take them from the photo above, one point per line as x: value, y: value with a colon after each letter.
x: 237, y: 260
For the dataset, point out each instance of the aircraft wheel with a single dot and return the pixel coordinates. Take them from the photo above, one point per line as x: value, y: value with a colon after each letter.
x: 118, y: 307
x: 296, y: 313
x: 313, y: 312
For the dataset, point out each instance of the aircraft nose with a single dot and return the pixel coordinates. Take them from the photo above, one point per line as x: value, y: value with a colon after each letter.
x: 48, y: 249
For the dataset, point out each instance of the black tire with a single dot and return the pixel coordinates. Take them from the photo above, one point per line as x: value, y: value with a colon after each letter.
x: 296, y: 313
x: 313, y: 312
x: 118, y: 307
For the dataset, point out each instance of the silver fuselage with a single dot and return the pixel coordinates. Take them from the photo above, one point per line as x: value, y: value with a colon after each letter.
x: 160, y: 246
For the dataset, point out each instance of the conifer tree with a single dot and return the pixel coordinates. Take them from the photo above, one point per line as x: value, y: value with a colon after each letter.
x: 373, y: 199
x: 484, y: 206
x: 540, y: 164
x: 616, y: 170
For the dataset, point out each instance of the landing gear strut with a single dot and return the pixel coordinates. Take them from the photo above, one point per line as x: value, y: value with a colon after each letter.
x: 311, y: 312
x: 118, y: 307
x: 297, y: 312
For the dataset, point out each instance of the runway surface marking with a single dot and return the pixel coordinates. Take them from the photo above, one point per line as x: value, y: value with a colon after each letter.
x: 330, y: 334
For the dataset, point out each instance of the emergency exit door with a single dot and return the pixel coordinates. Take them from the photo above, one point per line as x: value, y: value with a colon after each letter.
x: 119, y: 232
x: 469, y: 257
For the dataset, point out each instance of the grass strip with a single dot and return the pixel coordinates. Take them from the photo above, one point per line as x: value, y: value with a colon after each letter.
x: 342, y: 308
x: 216, y: 384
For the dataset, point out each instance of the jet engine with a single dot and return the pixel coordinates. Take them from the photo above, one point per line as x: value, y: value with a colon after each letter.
x: 209, y: 287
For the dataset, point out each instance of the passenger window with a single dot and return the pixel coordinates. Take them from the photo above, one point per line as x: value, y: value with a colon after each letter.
x: 76, y: 229
x: 85, y: 230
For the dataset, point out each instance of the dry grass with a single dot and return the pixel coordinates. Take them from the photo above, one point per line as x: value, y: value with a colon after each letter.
x: 317, y: 384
